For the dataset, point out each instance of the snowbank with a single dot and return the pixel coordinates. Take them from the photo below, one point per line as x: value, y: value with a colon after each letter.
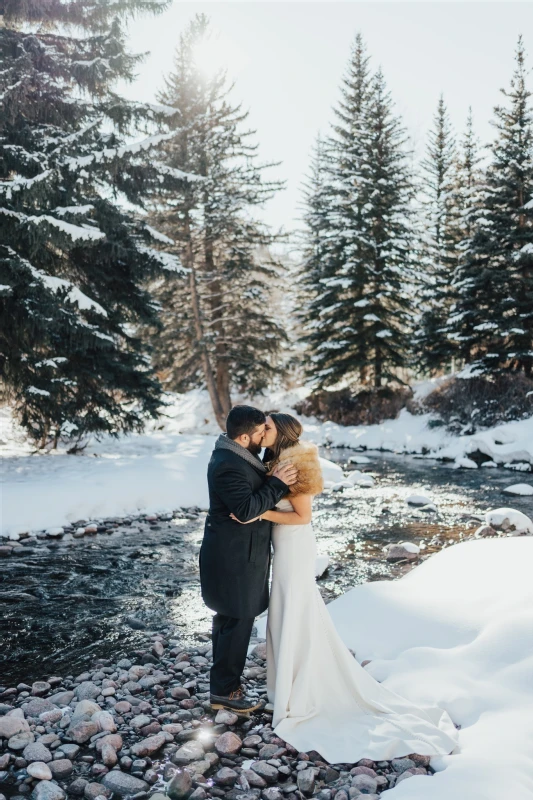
x: 440, y: 637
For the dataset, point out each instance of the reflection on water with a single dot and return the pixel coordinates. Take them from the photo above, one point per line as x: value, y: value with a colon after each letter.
x: 65, y: 603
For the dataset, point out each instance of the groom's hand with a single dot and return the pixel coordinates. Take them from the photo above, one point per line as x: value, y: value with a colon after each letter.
x: 286, y: 473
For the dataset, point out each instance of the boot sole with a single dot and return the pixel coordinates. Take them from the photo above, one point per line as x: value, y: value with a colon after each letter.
x: 239, y: 711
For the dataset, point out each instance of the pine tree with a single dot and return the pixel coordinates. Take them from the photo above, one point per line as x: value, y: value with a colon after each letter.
x: 220, y: 331
x: 439, y: 251
x: 73, y: 262
x: 359, y: 318
x: 493, y: 316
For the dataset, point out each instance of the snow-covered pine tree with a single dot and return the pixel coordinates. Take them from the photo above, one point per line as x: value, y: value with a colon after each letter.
x: 432, y: 350
x: 359, y: 319
x: 493, y: 317
x: 220, y: 331
x: 336, y: 240
x: 73, y: 260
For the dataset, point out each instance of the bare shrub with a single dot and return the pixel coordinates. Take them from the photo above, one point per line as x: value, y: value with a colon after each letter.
x: 467, y: 404
x: 363, y: 407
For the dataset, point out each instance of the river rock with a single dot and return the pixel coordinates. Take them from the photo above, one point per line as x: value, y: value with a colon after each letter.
x: 225, y: 776
x: 37, y: 752
x: 85, y: 708
x: 47, y: 790
x: 39, y: 770
x: 82, y: 731
x: 409, y: 774
x: 149, y: 746
x: 225, y: 717
x: 61, y: 698
x: 114, y: 740
x: 179, y: 693
x: 271, y: 793
x: 228, y: 744
x: 180, y: 786
x: 105, y: 721
x: 254, y: 779
x: 306, y: 780
x: 20, y: 740
x: 38, y: 705
x: 87, y: 690
x: 190, y: 751
x: 140, y: 721
x: 40, y: 687
x: 70, y: 750
x: 109, y: 755
x: 396, y: 552
x: 10, y: 726
x: 122, y: 707
x: 364, y: 784
x: 61, y: 768
x: 401, y: 764
x: 92, y: 790
x: 252, y: 741
x: 122, y: 784
x: 267, y: 771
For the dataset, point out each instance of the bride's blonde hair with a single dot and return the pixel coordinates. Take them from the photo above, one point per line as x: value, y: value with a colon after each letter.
x: 289, y: 431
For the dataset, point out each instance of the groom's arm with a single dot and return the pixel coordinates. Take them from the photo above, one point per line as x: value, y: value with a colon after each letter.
x: 236, y: 492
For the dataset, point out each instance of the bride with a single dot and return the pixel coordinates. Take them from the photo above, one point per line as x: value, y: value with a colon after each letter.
x: 323, y: 699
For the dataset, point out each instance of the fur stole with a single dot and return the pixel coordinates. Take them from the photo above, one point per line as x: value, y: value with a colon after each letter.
x: 304, y: 456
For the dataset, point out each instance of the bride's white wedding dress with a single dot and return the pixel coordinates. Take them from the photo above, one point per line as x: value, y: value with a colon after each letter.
x: 323, y: 699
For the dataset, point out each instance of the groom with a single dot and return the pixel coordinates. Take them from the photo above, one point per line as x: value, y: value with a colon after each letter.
x: 235, y: 558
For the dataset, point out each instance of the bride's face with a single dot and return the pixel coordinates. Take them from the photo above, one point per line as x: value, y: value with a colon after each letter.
x: 270, y: 434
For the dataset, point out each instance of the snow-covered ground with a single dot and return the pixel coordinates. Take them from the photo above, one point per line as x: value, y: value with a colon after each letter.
x: 457, y: 632
x: 164, y: 468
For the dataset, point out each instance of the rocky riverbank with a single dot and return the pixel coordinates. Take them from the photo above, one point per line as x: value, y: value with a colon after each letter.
x: 143, y: 728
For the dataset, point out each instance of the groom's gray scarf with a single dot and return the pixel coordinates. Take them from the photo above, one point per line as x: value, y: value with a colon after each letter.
x: 225, y: 443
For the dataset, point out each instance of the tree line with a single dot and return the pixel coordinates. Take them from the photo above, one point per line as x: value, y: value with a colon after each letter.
x: 133, y: 261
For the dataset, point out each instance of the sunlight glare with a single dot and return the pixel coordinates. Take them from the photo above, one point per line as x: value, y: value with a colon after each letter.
x: 216, y: 52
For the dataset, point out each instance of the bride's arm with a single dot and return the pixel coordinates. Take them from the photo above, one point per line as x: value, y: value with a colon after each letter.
x: 301, y: 515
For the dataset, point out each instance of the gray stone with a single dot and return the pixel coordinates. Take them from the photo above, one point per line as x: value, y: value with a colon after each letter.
x: 82, y: 731
x: 77, y: 786
x: 10, y: 726
x: 225, y: 776
x: 93, y: 790
x: 20, y: 740
x: 37, y: 752
x: 401, y: 764
x: 225, y: 717
x: 190, y: 751
x: 409, y: 774
x: 364, y: 784
x: 47, y: 790
x: 87, y: 690
x: 61, y: 698
x: 267, y: 771
x: 228, y: 744
x: 85, y: 708
x: 122, y: 784
x: 306, y: 780
x: 109, y: 755
x: 180, y: 786
x: 40, y: 687
x: 39, y: 770
x: 149, y: 746
x: 61, y: 768
x: 70, y: 750
x: 140, y: 721
x: 272, y: 793
x: 38, y: 705
x: 113, y: 739
x: 254, y: 779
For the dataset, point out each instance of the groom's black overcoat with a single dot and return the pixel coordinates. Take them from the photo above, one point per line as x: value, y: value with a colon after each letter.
x: 235, y: 558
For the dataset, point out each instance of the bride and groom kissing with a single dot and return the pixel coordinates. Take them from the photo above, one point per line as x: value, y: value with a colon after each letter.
x: 323, y: 699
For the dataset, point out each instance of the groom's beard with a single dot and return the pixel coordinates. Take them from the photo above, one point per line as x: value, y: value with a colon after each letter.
x: 254, y: 449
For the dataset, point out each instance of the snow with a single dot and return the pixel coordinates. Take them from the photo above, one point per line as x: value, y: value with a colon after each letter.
x: 509, y: 518
x: 158, y: 236
x: 440, y: 637
x: 167, y: 261
x: 76, y: 232
x: 519, y: 488
x: 418, y: 500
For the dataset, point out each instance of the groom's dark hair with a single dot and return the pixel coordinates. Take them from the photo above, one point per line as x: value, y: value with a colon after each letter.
x: 243, y: 419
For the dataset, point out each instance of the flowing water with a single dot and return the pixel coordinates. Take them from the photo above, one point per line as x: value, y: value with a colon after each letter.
x: 64, y: 603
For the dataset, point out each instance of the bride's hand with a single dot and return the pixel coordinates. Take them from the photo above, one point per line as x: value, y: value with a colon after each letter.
x: 243, y: 523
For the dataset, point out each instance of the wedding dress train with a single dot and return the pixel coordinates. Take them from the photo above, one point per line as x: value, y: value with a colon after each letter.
x: 323, y: 699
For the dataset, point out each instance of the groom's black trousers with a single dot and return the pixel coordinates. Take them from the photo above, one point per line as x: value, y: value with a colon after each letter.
x: 231, y: 637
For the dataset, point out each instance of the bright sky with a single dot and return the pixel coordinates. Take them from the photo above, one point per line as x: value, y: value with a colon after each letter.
x: 287, y: 60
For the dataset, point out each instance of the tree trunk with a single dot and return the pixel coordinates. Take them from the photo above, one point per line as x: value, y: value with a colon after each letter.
x: 216, y: 299
x: 199, y: 331
x: 378, y: 366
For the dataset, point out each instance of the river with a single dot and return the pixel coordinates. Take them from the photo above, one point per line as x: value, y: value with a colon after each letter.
x: 68, y: 601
